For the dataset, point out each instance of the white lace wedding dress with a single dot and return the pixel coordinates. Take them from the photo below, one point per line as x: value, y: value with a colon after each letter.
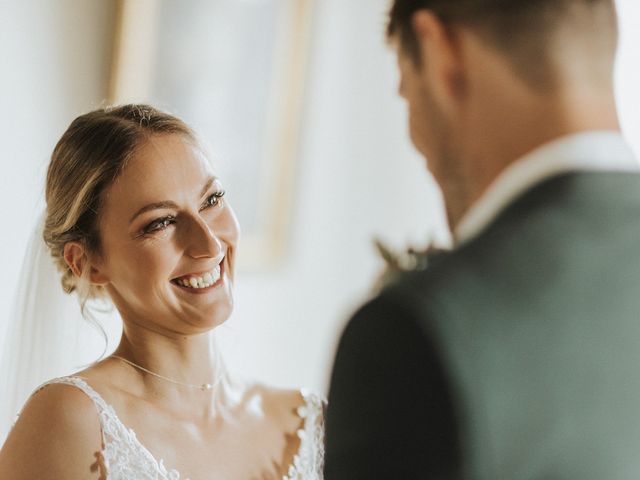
x: 125, y: 458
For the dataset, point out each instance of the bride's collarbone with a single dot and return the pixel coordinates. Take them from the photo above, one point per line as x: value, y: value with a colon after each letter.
x: 256, y: 437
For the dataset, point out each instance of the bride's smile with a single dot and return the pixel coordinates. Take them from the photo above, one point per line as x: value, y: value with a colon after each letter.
x: 200, y: 281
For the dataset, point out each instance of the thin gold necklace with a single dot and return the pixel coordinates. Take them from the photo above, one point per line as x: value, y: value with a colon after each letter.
x: 202, y: 386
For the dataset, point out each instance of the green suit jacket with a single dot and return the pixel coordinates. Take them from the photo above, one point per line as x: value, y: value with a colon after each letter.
x: 516, y: 356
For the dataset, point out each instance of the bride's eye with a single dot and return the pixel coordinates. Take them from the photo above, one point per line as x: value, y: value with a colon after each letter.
x: 159, y: 224
x: 213, y: 199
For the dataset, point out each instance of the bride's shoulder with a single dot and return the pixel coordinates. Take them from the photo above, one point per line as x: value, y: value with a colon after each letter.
x: 300, y: 414
x: 59, y: 422
x: 63, y: 409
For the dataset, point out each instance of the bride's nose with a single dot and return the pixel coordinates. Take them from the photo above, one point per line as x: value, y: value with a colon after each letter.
x: 202, y: 240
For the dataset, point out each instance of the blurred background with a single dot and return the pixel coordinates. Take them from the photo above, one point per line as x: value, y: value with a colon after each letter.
x: 297, y: 102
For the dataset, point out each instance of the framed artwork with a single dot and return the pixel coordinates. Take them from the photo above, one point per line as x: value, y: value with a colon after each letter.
x: 235, y: 71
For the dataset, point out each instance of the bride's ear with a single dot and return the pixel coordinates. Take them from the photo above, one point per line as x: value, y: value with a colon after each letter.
x: 75, y: 254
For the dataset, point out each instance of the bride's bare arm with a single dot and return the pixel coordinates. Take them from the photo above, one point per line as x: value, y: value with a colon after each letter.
x: 57, y: 436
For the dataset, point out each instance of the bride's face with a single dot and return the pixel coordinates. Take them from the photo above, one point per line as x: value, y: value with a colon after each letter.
x: 168, y: 238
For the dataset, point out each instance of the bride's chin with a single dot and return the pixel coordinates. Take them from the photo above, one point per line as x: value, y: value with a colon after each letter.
x: 215, y: 318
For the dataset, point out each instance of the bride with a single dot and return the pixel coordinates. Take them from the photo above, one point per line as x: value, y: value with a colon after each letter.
x: 136, y: 214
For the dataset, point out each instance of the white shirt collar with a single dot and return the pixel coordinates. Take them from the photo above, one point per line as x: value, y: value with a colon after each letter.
x: 590, y: 151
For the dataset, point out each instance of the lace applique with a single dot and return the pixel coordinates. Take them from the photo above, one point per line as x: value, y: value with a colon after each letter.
x: 308, y: 463
x: 126, y: 458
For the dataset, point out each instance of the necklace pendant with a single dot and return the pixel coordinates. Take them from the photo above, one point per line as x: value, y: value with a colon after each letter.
x: 206, y: 386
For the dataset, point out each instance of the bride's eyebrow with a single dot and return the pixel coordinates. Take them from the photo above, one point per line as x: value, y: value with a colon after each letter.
x: 168, y: 203
x: 154, y: 206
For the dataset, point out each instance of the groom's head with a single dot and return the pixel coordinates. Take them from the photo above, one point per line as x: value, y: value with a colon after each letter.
x: 487, y: 80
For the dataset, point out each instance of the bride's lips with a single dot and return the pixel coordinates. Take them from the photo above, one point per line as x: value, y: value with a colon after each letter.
x: 201, y: 290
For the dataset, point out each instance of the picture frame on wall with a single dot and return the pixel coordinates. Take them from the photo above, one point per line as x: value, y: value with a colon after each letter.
x: 235, y: 71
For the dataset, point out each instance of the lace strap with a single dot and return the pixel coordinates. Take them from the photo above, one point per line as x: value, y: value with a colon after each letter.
x: 105, y: 413
x: 123, y: 455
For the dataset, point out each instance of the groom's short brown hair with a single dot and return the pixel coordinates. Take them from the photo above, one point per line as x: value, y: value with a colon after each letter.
x: 521, y: 29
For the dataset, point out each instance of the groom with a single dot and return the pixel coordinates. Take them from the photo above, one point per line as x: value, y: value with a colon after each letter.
x: 517, y: 354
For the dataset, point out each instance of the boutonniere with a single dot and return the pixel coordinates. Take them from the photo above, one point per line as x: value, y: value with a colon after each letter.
x: 397, y: 263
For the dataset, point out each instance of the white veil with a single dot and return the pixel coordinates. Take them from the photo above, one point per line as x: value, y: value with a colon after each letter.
x: 47, y: 336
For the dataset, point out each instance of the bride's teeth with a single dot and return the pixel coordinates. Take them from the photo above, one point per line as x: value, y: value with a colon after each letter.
x: 206, y: 280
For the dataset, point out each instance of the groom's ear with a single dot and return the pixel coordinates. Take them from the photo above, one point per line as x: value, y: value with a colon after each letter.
x: 76, y: 256
x: 439, y: 54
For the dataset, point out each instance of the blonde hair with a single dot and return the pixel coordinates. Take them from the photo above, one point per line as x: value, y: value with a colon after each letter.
x: 87, y: 159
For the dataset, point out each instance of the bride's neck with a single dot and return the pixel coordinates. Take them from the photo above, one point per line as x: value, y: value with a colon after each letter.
x: 185, y: 359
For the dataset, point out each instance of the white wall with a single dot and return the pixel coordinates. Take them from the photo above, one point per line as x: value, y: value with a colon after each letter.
x: 55, y: 57
x: 357, y: 174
